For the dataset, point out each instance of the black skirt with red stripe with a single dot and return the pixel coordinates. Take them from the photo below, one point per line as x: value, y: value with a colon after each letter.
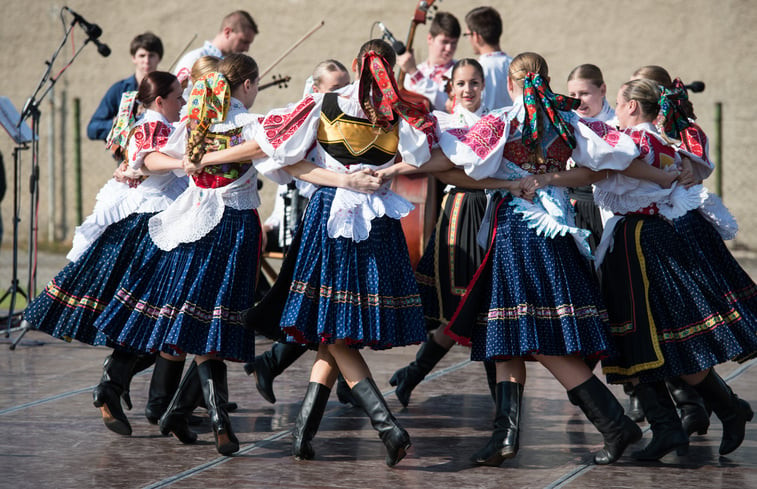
x: 452, y: 255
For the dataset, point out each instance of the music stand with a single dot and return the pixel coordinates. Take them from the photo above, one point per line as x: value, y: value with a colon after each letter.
x: 31, y: 109
x: 22, y: 135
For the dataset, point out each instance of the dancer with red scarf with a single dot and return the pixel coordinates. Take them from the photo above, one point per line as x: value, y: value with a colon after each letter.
x: 347, y: 282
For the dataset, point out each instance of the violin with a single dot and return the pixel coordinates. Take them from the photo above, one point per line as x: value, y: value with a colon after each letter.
x: 420, y: 189
x: 278, y: 80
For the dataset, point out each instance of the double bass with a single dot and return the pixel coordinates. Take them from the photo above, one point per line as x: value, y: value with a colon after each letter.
x: 420, y: 189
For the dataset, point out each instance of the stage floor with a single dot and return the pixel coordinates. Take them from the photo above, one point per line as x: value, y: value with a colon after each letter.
x: 52, y: 436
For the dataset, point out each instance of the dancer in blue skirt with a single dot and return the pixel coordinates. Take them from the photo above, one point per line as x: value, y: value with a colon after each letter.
x: 348, y: 283
x: 191, y: 298
x: 111, y: 240
x: 535, y: 297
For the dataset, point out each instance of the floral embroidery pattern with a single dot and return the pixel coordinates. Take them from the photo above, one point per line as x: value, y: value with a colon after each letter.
x: 280, y: 127
x: 608, y: 134
x: 148, y: 137
x: 482, y: 137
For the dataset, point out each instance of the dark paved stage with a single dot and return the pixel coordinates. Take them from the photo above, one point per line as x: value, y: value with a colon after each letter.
x: 53, y: 436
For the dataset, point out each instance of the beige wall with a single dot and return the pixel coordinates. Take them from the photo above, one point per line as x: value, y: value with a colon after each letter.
x: 694, y: 39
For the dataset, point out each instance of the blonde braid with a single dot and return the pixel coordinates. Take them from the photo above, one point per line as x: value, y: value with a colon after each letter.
x: 196, y: 141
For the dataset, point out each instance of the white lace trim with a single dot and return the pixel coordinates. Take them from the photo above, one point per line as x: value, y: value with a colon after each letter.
x: 199, y: 210
x: 551, y: 215
x: 352, y: 212
x: 116, y: 201
x: 679, y: 203
x: 719, y: 216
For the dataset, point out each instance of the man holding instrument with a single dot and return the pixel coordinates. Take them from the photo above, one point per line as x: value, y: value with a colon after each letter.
x: 430, y: 77
x: 237, y: 32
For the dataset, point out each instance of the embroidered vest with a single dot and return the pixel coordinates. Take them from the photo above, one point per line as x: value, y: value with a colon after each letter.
x: 556, y: 153
x: 352, y: 140
x: 221, y: 175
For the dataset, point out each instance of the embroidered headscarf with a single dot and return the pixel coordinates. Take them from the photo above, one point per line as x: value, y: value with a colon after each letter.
x: 125, y: 118
x: 208, y: 104
x: 381, y: 99
x: 673, y: 118
x: 537, y: 96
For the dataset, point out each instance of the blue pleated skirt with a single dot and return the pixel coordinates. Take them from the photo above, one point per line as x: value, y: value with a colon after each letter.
x: 72, y: 301
x: 192, y: 298
x: 364, y: 293
x: 531, y: 295
x: 678, y: 302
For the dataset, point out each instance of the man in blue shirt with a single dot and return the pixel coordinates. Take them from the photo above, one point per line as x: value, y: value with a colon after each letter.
x: 146, y: 52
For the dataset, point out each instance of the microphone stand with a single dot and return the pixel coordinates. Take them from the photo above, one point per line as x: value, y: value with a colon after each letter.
x: 31, y: 110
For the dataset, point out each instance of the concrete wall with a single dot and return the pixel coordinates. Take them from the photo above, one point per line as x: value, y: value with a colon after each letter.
x: 694, y: 39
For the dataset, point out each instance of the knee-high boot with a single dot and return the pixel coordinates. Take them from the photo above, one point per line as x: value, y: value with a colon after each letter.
x: 407, y: 378
x: 117, y: 372
x: 343, y: 391
x: 667, y: 431
x: 503, y: 443
x: 176, y: 417
x: 395, y: 438
x: 144, y: 361
x: 695, y: 418
x: 215, y: 391
x: 606, y: 414
x: 734, y: 413
x: 163, y: 384
x: 270, y: 364
x: 635, y: 411
x: 308, y: 420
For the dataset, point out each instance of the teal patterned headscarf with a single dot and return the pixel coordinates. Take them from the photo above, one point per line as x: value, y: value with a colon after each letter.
x: 673, y: 118
x: 537, y: 96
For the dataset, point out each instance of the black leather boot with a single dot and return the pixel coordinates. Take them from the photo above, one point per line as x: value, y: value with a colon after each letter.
x: 407, y: 378
x: 343, y: 392
x: 163, y: 384
x: 503, y: 443
x: 606, y: 414
x: 734, y: 413
x: 694, y: 415
x: 270, y: 364
x: 308, y: 420
x: 667, y: 431
x: 395, y: 438
x: 635, y: 411
x: 117, y: 373
x: 176, y: 418
x: 144, y: 361
x: 215, y: 391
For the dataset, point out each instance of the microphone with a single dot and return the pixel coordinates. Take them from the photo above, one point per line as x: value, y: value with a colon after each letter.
x: 695, y: 86
x: 398, y: 47
x: 93, y: 30
x: 102, y: 48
